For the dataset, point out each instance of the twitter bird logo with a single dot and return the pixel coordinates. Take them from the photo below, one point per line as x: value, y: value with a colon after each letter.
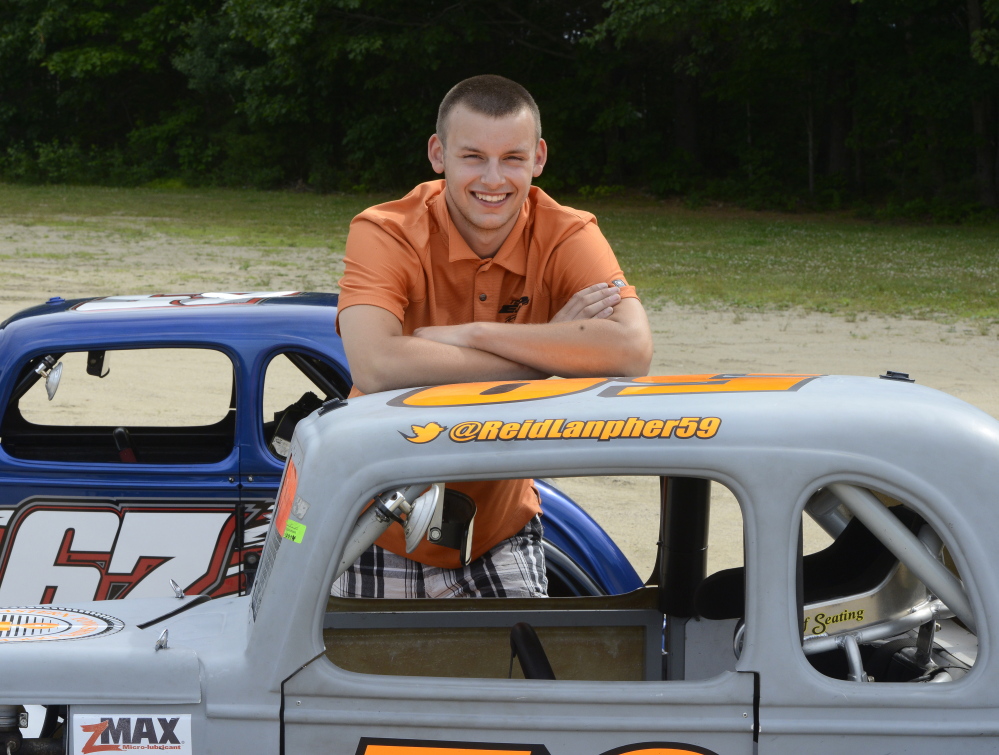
x: 424, y: 434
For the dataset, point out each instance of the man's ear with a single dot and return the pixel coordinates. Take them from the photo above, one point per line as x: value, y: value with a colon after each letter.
x: 540, y: 157
x: 435, y: 151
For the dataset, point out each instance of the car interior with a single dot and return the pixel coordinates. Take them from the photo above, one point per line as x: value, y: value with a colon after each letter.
x: 128, y: 406
x: 153, y: 406
x: 570, y: 637
x: 866, y: 608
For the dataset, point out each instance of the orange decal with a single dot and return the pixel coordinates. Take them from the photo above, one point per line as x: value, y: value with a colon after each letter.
x: 374, y: 746
x: 652, y: 386
x: 377, y: 746
x: 6, y: 626
x: 420, y: 750
x: 471, y: 394
x: 560, y: 428
x: 285, y: 497
x: 95, y: 730
x: 424, y: 434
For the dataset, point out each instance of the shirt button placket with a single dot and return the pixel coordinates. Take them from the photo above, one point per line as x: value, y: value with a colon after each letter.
x: 482, y: 305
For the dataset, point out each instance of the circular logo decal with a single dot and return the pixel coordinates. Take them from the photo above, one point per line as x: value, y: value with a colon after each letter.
x: 40, y: 623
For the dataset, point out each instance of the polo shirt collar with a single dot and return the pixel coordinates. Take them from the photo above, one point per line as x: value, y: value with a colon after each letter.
x: 511, y: 256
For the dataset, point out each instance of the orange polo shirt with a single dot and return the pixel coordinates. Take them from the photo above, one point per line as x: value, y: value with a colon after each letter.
x: 407, y: 257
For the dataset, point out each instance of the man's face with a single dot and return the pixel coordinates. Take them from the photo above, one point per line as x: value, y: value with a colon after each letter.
x: 488, y: 164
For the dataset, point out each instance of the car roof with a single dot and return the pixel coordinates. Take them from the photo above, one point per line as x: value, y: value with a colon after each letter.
x: 769, y: 428
x: 110, y: 308
x: 215, y: 320
x: 772, y: 440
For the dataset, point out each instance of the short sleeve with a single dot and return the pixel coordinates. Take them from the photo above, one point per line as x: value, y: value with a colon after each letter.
x: 582, y: 259
x: 379, y: 269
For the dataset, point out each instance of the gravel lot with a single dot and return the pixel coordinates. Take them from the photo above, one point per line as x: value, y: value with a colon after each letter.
x: 961, y: 358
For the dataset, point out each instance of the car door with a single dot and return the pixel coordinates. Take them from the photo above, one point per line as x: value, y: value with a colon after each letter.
x: 889, y: 659
x: 437, y: 676
x: 328, y: 710
x: 124, y: 479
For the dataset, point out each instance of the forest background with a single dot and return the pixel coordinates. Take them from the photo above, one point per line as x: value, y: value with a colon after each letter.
x: 889, y: 105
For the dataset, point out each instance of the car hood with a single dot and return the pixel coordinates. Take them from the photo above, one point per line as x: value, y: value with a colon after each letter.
x: 96, y: 652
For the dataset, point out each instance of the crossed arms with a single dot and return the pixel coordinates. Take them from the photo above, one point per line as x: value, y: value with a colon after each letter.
x: 596, y: 333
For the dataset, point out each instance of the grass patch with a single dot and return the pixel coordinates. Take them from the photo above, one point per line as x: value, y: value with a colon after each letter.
x: 222, y: 217
x: 705, y: 257
x: 822, y: 262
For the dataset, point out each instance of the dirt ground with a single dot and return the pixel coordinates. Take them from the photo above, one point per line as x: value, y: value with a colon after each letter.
x: 37, y: 262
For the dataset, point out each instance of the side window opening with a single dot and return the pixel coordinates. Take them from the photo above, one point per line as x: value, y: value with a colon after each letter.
x: 621, y: 637
x: 295, y: 385
x: 147, y: 406
x: 883, y: 601
x: 620, y: 503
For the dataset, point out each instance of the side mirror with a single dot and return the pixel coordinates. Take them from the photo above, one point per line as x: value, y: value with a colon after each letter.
x: 96, y: 361
x: 387, y: 508
x: 52, y: 380
x: 51, y: 370
x: 425, y: 510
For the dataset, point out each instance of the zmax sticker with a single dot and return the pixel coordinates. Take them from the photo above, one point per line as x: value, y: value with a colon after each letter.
x: 139, y: 732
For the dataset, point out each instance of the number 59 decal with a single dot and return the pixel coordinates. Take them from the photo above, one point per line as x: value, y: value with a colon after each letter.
x: 368, y: 746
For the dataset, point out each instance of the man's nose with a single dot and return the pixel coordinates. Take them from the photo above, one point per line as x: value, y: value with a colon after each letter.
x: 492, y: 175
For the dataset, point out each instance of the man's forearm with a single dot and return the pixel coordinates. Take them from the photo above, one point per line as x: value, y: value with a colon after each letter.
x: 620, y: 344
x: 406, y: 362
x: 582, y: 348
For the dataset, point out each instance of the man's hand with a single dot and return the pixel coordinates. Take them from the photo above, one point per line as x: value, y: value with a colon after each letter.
x: 595, y: 302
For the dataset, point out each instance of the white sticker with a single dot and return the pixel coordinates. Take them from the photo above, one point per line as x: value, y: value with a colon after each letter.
x: 158, y: 301
x: 299, y: 508
x: 133, y: 732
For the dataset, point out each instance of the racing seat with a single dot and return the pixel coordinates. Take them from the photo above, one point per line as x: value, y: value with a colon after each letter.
x: 853, y: 563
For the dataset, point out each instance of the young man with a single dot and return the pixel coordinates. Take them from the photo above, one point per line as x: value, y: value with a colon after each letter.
x: 481, y: 277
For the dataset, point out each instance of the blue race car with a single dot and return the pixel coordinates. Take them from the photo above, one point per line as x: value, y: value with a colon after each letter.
x: 142, y: 439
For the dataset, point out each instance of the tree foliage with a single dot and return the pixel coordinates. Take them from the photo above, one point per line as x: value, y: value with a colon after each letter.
x: 776, y: 101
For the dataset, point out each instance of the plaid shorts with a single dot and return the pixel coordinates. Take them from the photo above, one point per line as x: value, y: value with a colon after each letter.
x: 515, y: 568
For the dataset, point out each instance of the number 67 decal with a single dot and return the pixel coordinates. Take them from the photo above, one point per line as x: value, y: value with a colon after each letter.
x: 368, y: 746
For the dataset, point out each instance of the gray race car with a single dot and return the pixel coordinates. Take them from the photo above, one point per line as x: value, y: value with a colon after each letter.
x: 874, y: 640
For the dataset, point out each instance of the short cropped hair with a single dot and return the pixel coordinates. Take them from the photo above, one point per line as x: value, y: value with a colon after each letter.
x: 491, y: 95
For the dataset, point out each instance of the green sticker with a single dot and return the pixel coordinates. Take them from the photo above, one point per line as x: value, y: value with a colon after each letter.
x: 294, y: 531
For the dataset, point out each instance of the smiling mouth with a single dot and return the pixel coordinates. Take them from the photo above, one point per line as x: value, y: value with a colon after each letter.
x: 490, y: 198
